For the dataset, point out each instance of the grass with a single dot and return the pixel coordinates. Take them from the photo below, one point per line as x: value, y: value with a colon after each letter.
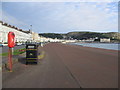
x: 16, y: 52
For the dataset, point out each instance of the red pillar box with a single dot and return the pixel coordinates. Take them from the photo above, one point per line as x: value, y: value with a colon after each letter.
x: 11, y: 44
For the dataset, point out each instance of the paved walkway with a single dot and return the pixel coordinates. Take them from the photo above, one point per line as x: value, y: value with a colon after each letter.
x: 67, y: 66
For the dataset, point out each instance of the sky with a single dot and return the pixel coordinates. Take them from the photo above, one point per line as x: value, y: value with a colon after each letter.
x: 62, y: 17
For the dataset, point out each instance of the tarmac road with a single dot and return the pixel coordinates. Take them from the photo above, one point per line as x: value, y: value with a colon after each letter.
x: 5, y: 48
x: 67, y: 66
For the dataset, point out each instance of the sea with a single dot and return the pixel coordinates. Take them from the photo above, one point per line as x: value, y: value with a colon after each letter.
x: 111, y: 46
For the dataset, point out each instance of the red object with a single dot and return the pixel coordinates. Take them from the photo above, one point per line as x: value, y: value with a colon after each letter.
x: 11, y: 44
x: 11, y: 39
x: 10, y: 59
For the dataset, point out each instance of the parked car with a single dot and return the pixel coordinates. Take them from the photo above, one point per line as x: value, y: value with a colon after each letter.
x: 18, y: 44
x: 5, y: 44
x: 1, y: 45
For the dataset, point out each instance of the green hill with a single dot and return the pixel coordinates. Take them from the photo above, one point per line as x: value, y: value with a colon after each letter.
x: 82, y: 35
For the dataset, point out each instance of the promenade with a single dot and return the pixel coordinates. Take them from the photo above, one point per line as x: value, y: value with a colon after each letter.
x: 67, y: 66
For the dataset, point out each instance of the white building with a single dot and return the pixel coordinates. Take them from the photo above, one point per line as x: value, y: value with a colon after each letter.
x: 104, y: 39
x: 36, y: 37
x: 20, y: 35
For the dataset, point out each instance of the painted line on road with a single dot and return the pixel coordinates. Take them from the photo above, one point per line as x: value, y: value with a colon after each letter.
x: 42, y: 55
x: 0, y: 68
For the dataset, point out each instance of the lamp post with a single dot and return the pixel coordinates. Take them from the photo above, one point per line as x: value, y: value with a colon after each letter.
x: 31, y: 31
x: 30, y: 27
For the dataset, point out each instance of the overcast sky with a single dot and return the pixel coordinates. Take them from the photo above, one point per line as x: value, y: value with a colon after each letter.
x: 62, y: 17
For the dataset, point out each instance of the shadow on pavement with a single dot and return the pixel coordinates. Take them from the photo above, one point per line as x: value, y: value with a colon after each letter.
x: 22, y: 60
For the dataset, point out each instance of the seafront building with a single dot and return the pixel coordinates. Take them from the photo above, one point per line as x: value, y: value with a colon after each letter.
x: 22, y: 36
x: 105, y: 40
